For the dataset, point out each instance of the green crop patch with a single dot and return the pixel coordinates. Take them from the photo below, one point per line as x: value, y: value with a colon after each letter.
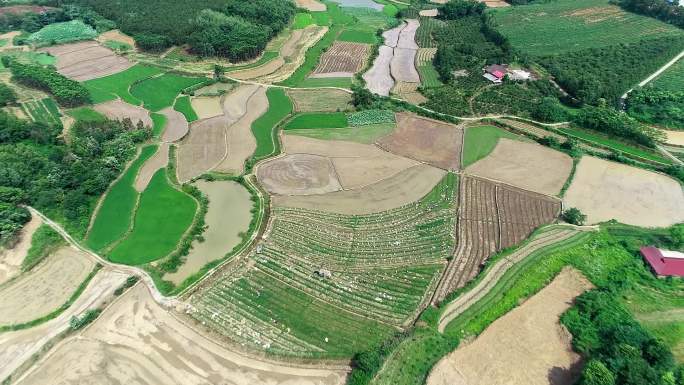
x: 317, y: 120
x: 264, y: 128
x: 162, y: 217
x: 160, y: 91
x: 302, y: 20
x: 158, y: 124
x: 118, y: 85
x: 86, y: 114
x: 358, y: 36
x: 60, y: 33
x: 672, y: 79
x: 113, y: 218
x: 184, y: 106
x: 44, y: 110
x: 480, y: 142
x: 366, y: 117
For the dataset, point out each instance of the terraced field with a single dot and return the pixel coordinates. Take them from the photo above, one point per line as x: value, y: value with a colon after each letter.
x: 492, y: 217
x: 325, y: 284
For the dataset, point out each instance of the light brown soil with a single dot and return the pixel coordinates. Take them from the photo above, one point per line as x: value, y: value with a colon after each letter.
x: 207, y: 106
x: 19, y: 346
x: 86, y: 60
x: 343, y: 59
x: 298, y: 174
x: 176, y: 125
x: 675, y: 138
x: 202, y: 149
x: 119, y: 110
x: 320, y: 100
x: 262, y: 70
x: 606, y: 190
x: 403, y: 188
x: 45, y: 288
x: 294, y: 54
x: 11, y: 259
x: 526, y: 165
x: 311, y: 5
x: 116, y: 35
x: 235, y: 103
x: 495, y: 3
x: 391, y: 36
x: 409, y: 92
x: 158, y: 161
x: 429, y: 12
x: 378, y: 78
x: 241, y: 141
x: 223, y: 231
x: 135, y: 341
x: 356, y: 164
x: 407, y: 36
x: 9, y: 45
x: 426, y: 140
x: 526, y: 346
x: 403, y: 65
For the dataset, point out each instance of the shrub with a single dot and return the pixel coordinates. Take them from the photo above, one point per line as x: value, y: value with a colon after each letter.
x: 76, y: 323
x: 7, y: 95
x: 575, y: 216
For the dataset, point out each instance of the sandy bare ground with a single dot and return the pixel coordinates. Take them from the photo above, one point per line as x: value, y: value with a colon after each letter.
x: 207, y: 106
x: 426, y: 140
x: 86, y: 60
x: 320, y: 100
x: 356, y: 164
x: 202, y: 149
x: 298, y: 174
x: 176, y: 125
x: 119, y: 110
x: 342, y: 59
x: 223, y: 231
x: 403, y: 65
x: 137, y: 342
x: 11, y: 259
x: 675, y: 138
x: 526, y: 346
x: 241, y: 141
x: 606, y: 190
x: 45, y: 288
x: 158, y: 161
x: 526, y: 165
x: 403, y: 188
x: 378, y: 78
x: 116, y: 35
x: 9, y: 46
x: 18, y: 346
x: 311, y: 5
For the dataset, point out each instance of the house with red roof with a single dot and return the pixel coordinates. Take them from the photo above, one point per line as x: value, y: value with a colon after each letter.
x: 495, y: 73
x: 664, y: 263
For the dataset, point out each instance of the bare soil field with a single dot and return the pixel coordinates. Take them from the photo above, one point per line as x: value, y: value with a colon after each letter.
x: 116, y: 35
x: 298, y: 174
x: 241, y: 141
x: 9, y: 38
x: 311, y: 5
x: 207, y: 106
x: 391, y: 36
x: 262, y: 70
x: 407, y: 36
x: 356, y: 164
x: 429, y: 12
x: 606, y: 190
x: 86, y: 60
x: 403, y: 66
x: 235, y: 103
x: 223, y: 231
x: 11, y: 259
x: 17, y: 347
x: 136, y: 341
x: 176, y: 125
x: 203, y: 149
x: 398, y: 190
x: 45, y: 288
x: 529, y: 166
x: 492, y: 217
x: 675, y: 138
x: 119, y: 110
x: 378, y: 78
x: 425, y: 140
x: 320, y: 100
x: 342, y: 59
x: 158, y: 161
x: 526, y: 346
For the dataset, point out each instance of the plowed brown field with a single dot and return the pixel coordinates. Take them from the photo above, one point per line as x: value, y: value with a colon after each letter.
x: 343, y: 59
x: 299, y: 174
x: 86, y: 60
x: 119, y: 110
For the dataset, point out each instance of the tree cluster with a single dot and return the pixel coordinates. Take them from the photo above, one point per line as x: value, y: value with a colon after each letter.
x: 656, y: 106
x: 614, y: 123
x: 669, y: 12
x: 30, y: 21
x: 67, y: 92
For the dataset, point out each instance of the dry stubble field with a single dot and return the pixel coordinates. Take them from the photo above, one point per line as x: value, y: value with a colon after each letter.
x: 342, y: 59
x: 87, y: 60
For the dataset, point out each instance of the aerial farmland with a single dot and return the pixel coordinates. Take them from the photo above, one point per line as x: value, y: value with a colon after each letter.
x: 341, y: 192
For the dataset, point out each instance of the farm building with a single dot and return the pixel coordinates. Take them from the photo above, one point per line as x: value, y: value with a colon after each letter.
x: 495, y: 73
x: 664, y: 263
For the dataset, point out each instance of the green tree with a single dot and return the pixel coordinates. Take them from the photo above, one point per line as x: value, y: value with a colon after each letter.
x: 596, y: 373
x: 575, y: 216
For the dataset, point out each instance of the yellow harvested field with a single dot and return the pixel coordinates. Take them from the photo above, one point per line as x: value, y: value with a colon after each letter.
x: 116, y: 35
x: 176, y: 125
x: 86, y: 60
x: 207, y: 106
x: 526, y: 346
x: 342, y: 59
x: 138, y: 342
x: 605, y: 190
x: 158, y: 161
x: 398, y: 190
x: 311, y: 5
x: 202, y: 149
x: 11, y: 258
x: 298, y: 174
x: 529, y: 166
x: 328, y: 100
x: 675, y: 138
x: 45, y: 288
x: 119, y: 110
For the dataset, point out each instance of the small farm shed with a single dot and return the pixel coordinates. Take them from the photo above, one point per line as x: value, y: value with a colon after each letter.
x: 495, y: 73
x: 664, y: 263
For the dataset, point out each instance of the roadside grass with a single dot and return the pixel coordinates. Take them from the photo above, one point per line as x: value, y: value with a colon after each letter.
x: 44, y: 242
x: 44, y: 110
x: 363, y: 134
x: 162, y: 217
x: 158, y: 124
x: 317, y: 120
x: 264, y: 128
x: 160, y: 91
x: 113, y: 218
x: 184, y: 106
x: 302, y: 20
x: 109, y: 87
x: 480, y: 141
x: 358, y: 36
x: 86, y: 114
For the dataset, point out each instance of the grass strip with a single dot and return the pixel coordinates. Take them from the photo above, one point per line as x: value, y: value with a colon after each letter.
x: 44, y: 242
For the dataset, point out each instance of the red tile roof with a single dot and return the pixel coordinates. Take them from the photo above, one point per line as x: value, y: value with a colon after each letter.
x: 664, y: 264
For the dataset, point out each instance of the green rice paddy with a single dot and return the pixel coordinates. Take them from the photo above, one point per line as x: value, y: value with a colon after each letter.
x: 86, y: 114
x: 160, y: 91
x: 158, y: 124
x: 109, y: 87
x: 184, y: 106
x: 302, y: 20
x: 264, y: 128
x: 317, y: 120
